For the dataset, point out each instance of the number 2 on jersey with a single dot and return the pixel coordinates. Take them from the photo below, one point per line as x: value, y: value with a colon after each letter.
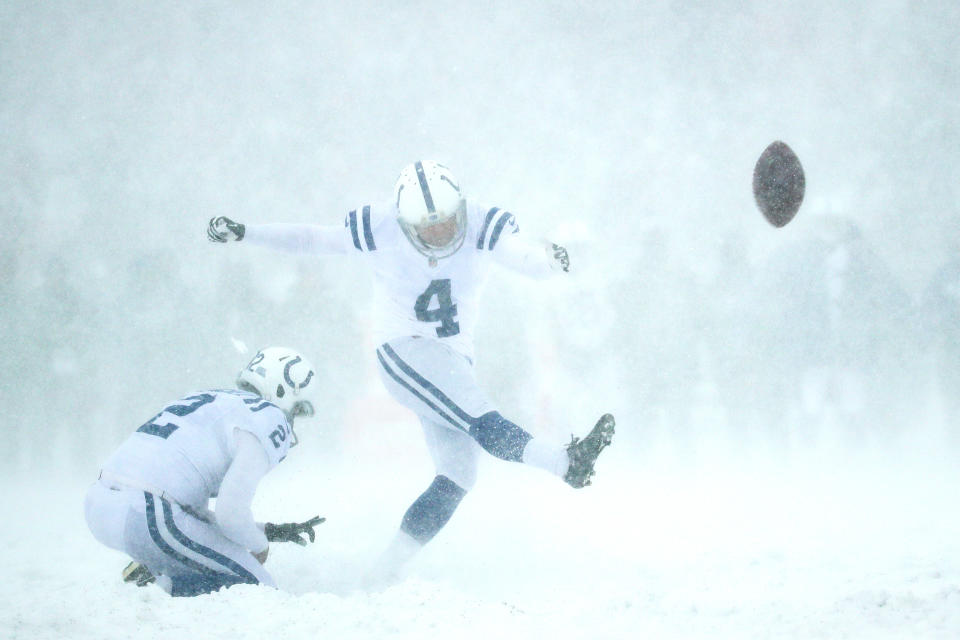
x: 444, y: 313
x: 164, y: 430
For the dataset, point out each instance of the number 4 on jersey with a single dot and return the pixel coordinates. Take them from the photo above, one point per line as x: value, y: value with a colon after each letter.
x: 444, y: 313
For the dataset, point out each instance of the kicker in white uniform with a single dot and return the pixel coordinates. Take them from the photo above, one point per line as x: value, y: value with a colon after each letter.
x: 430, y: 250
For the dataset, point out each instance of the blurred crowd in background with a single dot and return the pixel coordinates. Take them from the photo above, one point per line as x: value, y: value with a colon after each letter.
x: 816, y: 341
x: 817, y: 344
x: 125, y: 127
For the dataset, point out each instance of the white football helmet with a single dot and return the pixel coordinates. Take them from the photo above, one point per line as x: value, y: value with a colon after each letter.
x: 283, y: 377
x: 430, y: 209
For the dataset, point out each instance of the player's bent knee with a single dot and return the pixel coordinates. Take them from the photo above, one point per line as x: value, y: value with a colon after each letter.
x: 500, y: 437
x: 464, y: 476
x: 433, y: 509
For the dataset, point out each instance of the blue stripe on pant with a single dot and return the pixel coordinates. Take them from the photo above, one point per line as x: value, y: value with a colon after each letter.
x: 497, y: 435
x: 403, y: 383
x: 426, y: 385
x: 204, y: 579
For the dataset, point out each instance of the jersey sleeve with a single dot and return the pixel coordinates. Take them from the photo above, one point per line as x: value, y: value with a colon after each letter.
x: 494, y: 226
x: 364, y: 227
x: 297, y: 238
x: 525, y: 257
x: 268, y: 423
x: 237, y: 490
x: 499, y: 235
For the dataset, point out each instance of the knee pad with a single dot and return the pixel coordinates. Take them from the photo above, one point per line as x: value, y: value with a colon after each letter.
x: 427, y: 515
x: 500, y: 437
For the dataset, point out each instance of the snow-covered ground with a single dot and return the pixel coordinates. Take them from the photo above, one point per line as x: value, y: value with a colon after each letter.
x: 625, y: 131
x: 825, y: 544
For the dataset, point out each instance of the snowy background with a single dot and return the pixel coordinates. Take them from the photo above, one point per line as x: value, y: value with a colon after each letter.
x: 787, y: 400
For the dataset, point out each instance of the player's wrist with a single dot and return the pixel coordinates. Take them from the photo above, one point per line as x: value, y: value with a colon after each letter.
x: 223, y: 229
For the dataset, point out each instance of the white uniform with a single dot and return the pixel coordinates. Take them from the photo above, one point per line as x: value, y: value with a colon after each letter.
x: 151, y: 498
x: 425, y: 313
x: 412, y: 297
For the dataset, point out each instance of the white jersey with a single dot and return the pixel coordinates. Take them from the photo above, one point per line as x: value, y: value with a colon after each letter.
x: 184, y: 451
x: 414, y: 298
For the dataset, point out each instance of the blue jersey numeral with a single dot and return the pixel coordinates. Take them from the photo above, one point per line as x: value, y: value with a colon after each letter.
x: 151, y: 427
x: 445, y: 312
x: 279, y: 435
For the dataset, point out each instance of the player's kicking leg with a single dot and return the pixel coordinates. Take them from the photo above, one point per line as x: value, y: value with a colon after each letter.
x: 439, y: 385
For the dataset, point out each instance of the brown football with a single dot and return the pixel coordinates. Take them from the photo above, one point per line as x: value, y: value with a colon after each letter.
x: 778, y: 183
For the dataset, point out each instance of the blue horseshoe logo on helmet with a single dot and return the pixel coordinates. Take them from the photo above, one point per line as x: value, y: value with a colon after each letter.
x: 289, y: 380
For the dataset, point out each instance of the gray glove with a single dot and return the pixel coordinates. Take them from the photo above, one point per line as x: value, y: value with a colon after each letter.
x: 292, y: 531
x: 222, y: 229
x: 559, y: 257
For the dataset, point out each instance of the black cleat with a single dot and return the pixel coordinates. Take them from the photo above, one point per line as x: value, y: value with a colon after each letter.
x: 136, y: 572
x: 583, y: 453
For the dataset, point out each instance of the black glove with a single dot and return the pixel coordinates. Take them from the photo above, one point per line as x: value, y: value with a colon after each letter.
x: 223, y: 228
x: 560, y: 257
x: 291, y: 531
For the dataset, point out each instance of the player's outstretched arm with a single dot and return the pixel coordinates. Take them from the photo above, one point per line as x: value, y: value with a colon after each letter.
x: 293, y: 238
x: 535, y: 259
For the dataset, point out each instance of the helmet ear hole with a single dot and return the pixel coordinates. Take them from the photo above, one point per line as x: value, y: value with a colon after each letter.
x: 280, y: 376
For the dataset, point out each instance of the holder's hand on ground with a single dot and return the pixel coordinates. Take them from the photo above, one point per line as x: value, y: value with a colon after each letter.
x: 292, y: 531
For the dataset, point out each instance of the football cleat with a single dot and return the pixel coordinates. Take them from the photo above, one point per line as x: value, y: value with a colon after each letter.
x: 583, y: 453
x: 137, y: 573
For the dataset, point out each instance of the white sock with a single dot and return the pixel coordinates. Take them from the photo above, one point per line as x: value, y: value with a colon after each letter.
x: 387, y: 568
x: 402, y: 548
x: 549, y: 456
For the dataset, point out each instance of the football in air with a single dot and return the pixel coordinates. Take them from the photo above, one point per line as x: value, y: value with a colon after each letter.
x: 778, y: 183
